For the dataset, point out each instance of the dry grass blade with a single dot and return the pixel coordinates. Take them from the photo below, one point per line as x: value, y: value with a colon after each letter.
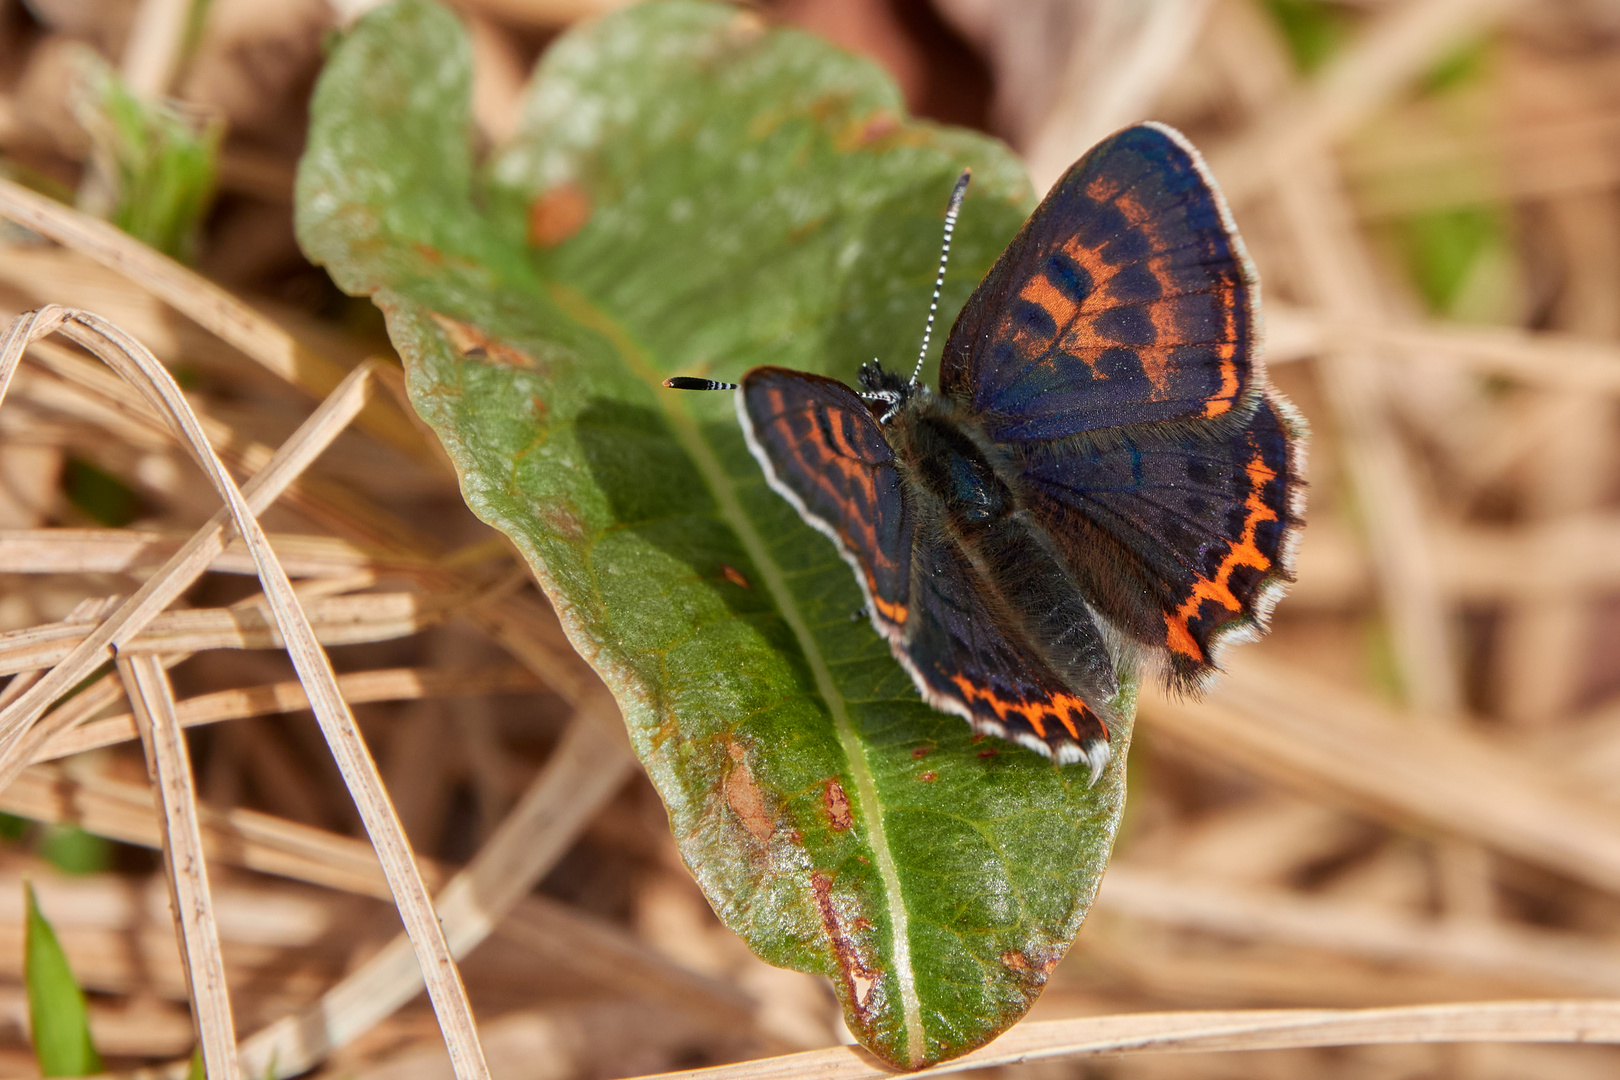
x: 1541, y: 358
x: 137, y: 366
x: 155, y: 44
x: 116, y: 551
x: 397, y: 684
x: 185, y: 290
x: 1306, y: 734
x: 590, y: 950
x: 169, y: 764
x: 1247, y: 1029
x: 1544, y: 958
x: 337, y: 620
x: 122, y: 811
x: 585, y: 770
x: 1114, y: 82
x: 176, y: 575
x: 200, y: 300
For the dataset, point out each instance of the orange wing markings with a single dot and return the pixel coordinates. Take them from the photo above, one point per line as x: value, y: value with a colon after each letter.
x: 1142, y: 218
x: 1061, y: 708
x: 1082, y: 343
x: 839, y: 428
x: 1156, y: 366
x: 1091, y: 261
x: 840, y: 457
x: 1178, y: 634
x: 1040, y: 290
x: 1221, y: 403
x: 895, y: 613
x: 1103, y: 189
x: 824, y: 463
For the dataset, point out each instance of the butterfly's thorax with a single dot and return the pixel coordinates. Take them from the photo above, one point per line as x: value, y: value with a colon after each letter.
x: 940, y: 455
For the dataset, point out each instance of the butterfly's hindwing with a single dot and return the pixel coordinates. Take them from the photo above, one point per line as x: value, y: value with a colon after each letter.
x: 820, y: 448
x: 971, y: 659
x: 1126, y: 299
x: 1179, y: 539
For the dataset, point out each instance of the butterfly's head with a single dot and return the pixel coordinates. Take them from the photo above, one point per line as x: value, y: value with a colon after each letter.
x: 886, y: 387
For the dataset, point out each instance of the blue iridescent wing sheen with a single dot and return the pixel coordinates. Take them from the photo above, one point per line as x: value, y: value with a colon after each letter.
x: 1181, y: 537
x: 1126, y: 299
x: 822, y: 450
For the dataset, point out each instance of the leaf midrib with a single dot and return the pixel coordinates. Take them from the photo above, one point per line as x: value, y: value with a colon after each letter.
x: 731, y: 511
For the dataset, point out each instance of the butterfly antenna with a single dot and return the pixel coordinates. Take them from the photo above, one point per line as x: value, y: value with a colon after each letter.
x: 951, y: 211
x: 687, y: 382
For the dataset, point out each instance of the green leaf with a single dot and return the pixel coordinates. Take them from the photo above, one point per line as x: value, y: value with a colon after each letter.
x: 58, y: 1019
x: 160, y: 160
x: 691, y: 193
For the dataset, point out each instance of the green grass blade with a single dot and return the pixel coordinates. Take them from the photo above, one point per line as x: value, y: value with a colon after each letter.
x: 58, y: 1018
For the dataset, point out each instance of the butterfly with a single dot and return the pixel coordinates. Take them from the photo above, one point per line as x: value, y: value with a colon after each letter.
x: 1103, y: 477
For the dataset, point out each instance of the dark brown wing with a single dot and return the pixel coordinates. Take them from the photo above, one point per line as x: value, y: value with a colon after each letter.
x: 822, y: 451
x: 1126, y: 299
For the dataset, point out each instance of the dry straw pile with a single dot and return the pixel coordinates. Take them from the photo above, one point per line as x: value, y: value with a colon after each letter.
x: 1395, y: 825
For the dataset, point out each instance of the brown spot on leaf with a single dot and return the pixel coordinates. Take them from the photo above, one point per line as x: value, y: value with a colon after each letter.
x: 859, y: 979
x: 987, y: 753
x: 734, y: 576
x: 430, y: 253
x: 562, y: 520
x: 744, y: 798
x: 473, y: 344
x: 921, y: 751
x: 558, y: 214
x: 879, y: 126
x: 1036, y: 965
x: 837, y: 806
x: 929, y: 777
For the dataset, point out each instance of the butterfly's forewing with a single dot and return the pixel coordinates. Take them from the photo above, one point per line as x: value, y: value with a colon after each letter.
x: 1126, y: 299
x: 822, y: 450
x: 1182, y: 539
x: 1115, y: 349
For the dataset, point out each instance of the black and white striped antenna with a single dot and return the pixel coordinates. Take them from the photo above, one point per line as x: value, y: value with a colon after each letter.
x: 951, y: 211
x: 687, y: 382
